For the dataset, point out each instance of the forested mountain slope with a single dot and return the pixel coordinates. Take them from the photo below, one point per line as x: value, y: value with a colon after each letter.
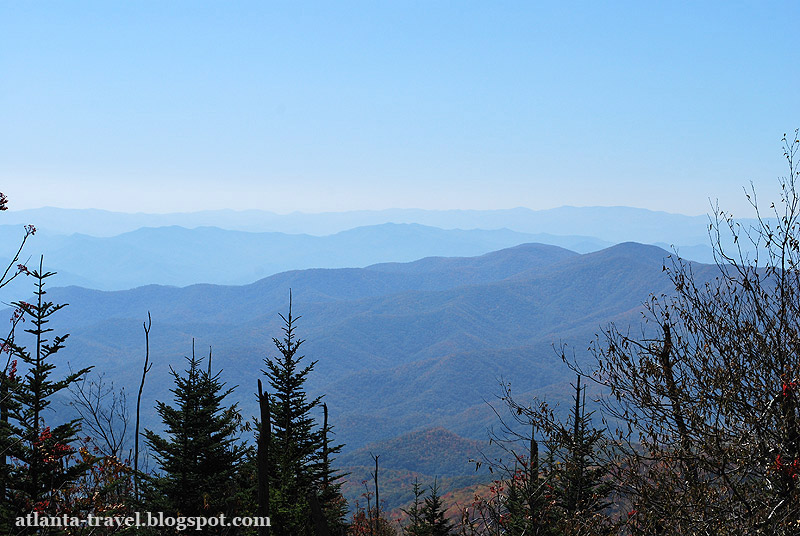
x: 399, y: 346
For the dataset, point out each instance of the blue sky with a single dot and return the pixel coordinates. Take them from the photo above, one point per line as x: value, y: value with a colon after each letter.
x: 180, y: 106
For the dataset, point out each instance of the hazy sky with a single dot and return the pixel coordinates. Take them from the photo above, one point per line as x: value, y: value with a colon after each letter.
x: 179, y: 106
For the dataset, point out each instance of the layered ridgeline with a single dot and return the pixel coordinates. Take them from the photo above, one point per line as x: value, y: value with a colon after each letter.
x: 181, y: 256
x: 613, y: 224
x: 409, y: 355
x: 399, y: 346
x: 115, y: 251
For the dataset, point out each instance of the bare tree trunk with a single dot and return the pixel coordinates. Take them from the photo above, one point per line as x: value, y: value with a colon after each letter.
x: 320, y: 526
x: 533, y: 480
x: 369, y: 512
x: 675, y: 402
x: 145, y: 370
x: 325, y: 447
x: 377, y: 495
x: 264, y: 439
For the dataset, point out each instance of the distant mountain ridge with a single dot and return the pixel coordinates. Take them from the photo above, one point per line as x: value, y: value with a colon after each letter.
x: 115, y: 251
x: 409, y: 354
x: 608, y: 224
x: 179, y: 256
x: 398, y: 346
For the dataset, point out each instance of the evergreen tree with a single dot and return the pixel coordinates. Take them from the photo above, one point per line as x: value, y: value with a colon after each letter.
x: 43, y: 455
x: 201, y: 454
x: 563, y: 490
x: 415, y: 526
x: 581, y: 481
x: 433, y: 520
x: 9, y: 384
x: 522, y: 506
x: 300, y: 451
x: 333, y: 503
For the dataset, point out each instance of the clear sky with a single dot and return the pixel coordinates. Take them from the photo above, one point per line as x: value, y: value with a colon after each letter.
x: 180, y: 106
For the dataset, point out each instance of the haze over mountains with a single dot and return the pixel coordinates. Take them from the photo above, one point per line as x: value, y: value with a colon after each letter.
x: 114, y: 251
x: 399, y: 346
x: 180, y: 256
x: 412, y: 326
x: 611, y: 224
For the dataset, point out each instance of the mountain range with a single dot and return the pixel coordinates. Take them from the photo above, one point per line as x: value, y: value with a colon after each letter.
x: 610, y: 224
x: 116, y: 251
x: 398, y: 346
x: 179, y: 256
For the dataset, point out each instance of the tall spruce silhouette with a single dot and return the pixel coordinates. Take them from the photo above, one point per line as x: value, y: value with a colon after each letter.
x: 41, y: 453
x: 200, y: 454
x: 302, y: 483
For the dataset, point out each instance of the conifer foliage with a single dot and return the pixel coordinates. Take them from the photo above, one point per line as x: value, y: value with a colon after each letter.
x: 414, y: 513
x: 433, y: 519
x: 43, y: 461
x: 580, y: 479
x: 200, y: 454
x: 300, y: 451
x: 426, y: 515
x: 564, y: 490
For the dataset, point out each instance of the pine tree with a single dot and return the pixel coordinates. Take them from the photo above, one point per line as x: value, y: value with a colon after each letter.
x: 300, y: 451
x: 415, y: 526
x: 581, y: 480
x: 562, y: 490
x: 433, y: 520
x: 583, y: 489
x: 201, y: 454
x: 523, y: 507
x: 43, y: 455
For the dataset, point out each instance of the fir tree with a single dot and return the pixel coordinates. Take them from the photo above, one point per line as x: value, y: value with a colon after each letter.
x: 415, y: 526
x: 300, y: 451
x: 433, y: 520
x: 43, y: 455
x: 563, y: 490
x: 582, y: 485
x: 201, y: 454
x: 522, y: 506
